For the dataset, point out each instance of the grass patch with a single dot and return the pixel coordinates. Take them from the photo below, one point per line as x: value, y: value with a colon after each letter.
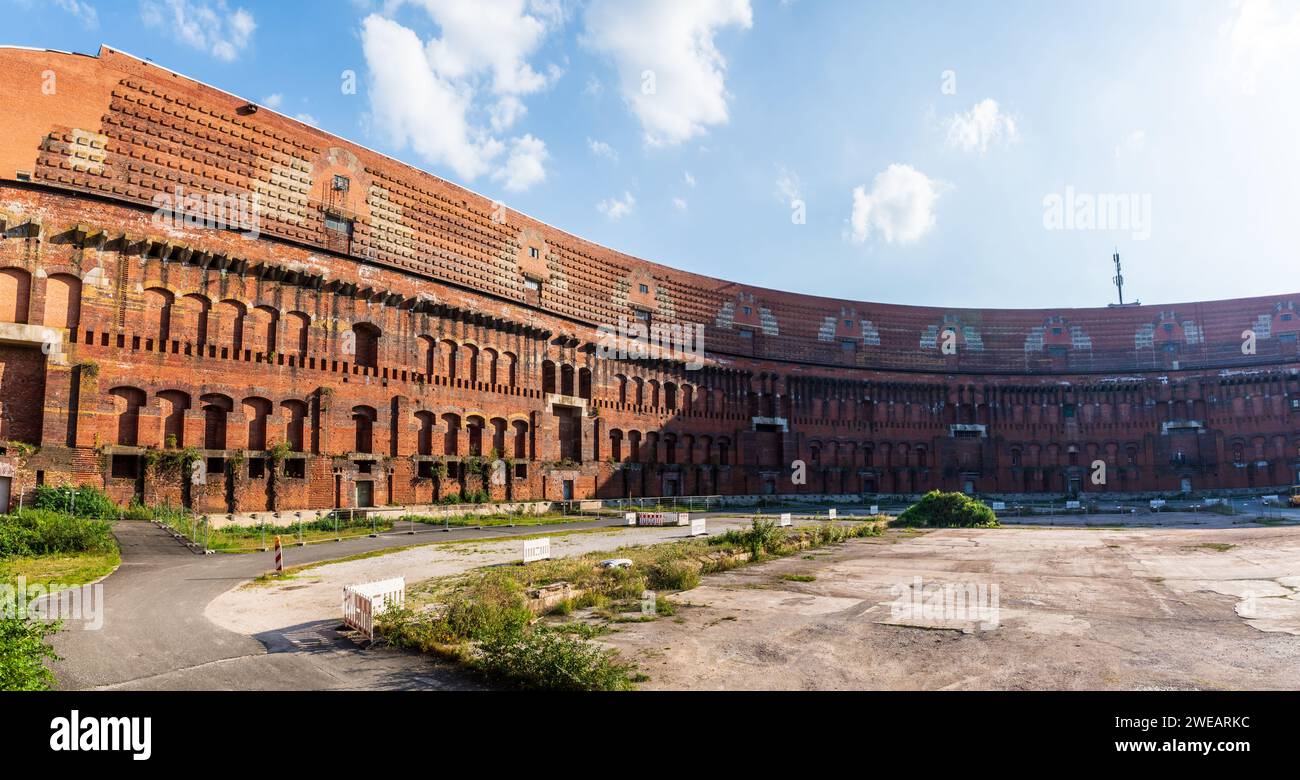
x: 61, y: 570
x: 798, y: 577
x: 498, y: 519
x: 1216, y: 546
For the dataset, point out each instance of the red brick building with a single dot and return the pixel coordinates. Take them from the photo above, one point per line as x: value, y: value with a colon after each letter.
x: 186, y: 279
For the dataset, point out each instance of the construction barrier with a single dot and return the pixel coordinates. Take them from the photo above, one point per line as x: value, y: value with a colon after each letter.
x: 697, y: 527
x: 786, y: 520
x: 537, y: 549
x: 663, y: 518
x: 279, y: 556
x: 832, y: 514
x: 362, y: 603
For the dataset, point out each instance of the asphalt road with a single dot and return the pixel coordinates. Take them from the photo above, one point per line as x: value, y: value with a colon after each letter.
x: 155, y: 636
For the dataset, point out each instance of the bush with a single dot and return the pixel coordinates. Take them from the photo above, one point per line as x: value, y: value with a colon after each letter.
x: 23, y: 652
x: 545, y: 659
x: 948, y: 510
x: 45, y: 532
x: 673, y: 575
x: 84, y: 501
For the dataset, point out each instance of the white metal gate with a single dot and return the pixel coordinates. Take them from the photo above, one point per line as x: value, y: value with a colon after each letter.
x: 363, y: 603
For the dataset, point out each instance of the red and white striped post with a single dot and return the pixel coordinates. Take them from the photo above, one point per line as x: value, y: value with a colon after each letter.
x: 279, y: 556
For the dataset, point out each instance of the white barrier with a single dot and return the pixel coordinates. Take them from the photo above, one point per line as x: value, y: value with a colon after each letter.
x: 874, y: 509
x: 786, y: 521
x: 697, y: 527
x: 362, y: 603
x: 1270, y: 500
x: 630, y: 517
x: 1071, y: 504
x: 537, y: 549
x: 1156, y: 503
x: 832, y: 514
x: 662, y: 518
x: 999, y: 505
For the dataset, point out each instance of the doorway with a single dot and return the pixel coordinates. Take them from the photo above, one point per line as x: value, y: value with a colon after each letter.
x: 365, y: 493
x: 6, y: 484
x: 567, y: 488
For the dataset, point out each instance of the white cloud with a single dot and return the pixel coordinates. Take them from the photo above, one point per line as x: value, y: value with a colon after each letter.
x: 616, y: 208
x: 524, y: 165
x: 273, y: 101
x: 788, y: 186
x: 1263, y: 42
x: 207, y: 25
x: 505, y: 112
x: 669, y: 71
x: 689, y: 179
x: 1130, y: 145
x: 593, y: 87
x: 83, y: 11
x: 984, y: 124
x: 451, y: 97
x: 602, y: 149
x: 900, y: 206
x: 307, y: 119
x: 680, y: 204
x: 495, y: 37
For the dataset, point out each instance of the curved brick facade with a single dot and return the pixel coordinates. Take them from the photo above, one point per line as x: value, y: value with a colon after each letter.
x: 387, y: 328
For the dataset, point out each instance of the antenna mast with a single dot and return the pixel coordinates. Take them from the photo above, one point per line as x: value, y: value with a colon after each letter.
x: 1119, y: 277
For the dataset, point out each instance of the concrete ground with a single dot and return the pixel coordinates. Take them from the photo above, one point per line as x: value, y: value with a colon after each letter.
x: 1183, y: 605
x: 1200, y: 601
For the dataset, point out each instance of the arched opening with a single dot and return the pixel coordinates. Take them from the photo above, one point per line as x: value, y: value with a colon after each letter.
x: 548, y: 376
x: 216, y: 411
x: 366, y: 343
x: 363, y: 418
x: 257, y: 411
x: 15, y: 293
x: 174, y: 405
x: 62, y: 301
x: 129, y: 401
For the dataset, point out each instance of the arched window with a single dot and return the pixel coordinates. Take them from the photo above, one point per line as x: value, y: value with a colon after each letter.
x: 174, y: 405
x: 548, y: 376
x: 295, y: 416
x: 366, y: 342
x: 15, y: 292
x: 424, y: 443
x: 257, y: 411
x: 216, y: 409
x: 363, y: 417
x: 62, y: 301
x: 129, y: 400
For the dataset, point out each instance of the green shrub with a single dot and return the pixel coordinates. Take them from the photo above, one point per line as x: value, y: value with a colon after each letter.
x: 23, y: 653
x: 46, y: 532
x: 138, y: 511
x: 545, y: 659
x: 673, y: 575
x: 948, y: 510
x: 84, y: 501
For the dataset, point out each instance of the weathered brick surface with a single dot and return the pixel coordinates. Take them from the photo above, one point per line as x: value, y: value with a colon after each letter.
x: 447, y: 326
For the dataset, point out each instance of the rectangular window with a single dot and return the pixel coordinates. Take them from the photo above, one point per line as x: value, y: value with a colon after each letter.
x: 338, y: 224
x: 341, y: 183
x: 256, y: 468
x: 848, y: 345
x: 645, y: 288
x: 532, y: 284
x: 126, y: 466
x: 748, y: 311
x: 532, y: 252
x: 295, y: 468
x: 425, y: 469
x: 746, y: 334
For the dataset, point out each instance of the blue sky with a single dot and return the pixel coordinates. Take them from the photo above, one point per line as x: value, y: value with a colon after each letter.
x: 927, y: 144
